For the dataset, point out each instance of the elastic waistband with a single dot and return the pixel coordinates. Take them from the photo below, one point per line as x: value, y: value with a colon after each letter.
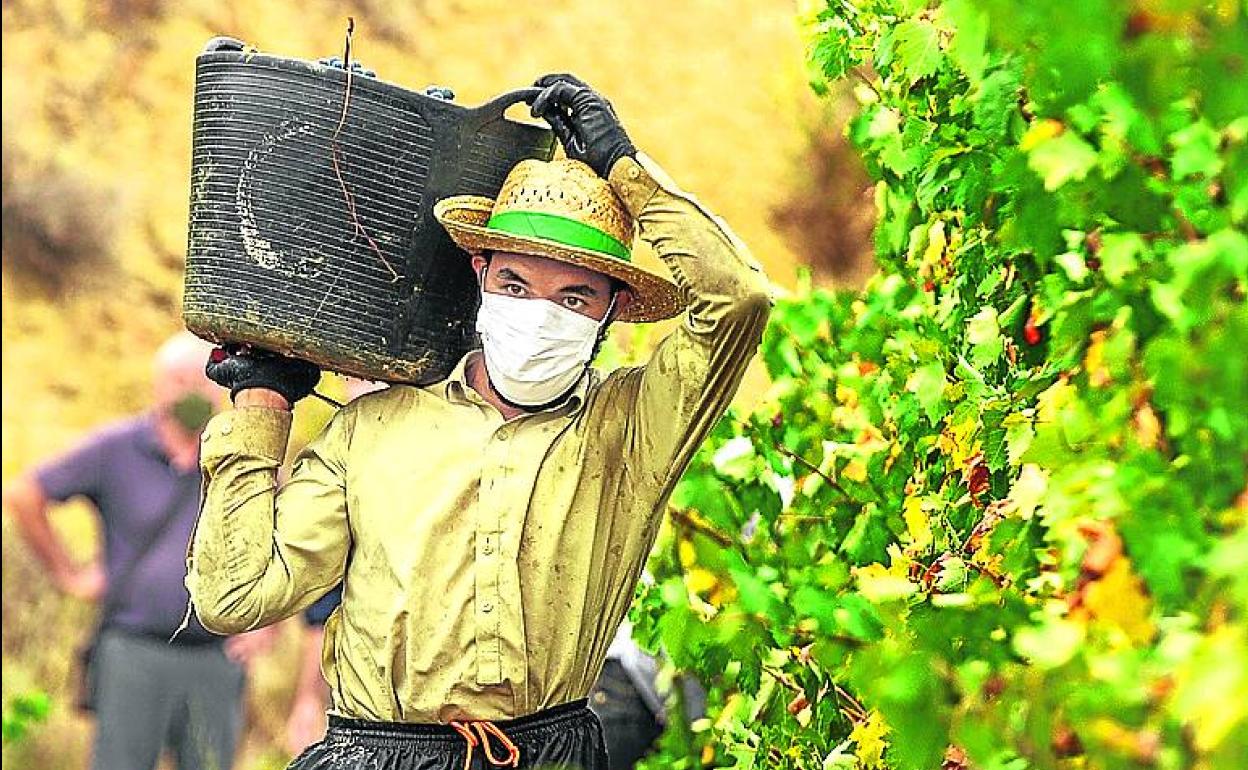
x: 562, y: 716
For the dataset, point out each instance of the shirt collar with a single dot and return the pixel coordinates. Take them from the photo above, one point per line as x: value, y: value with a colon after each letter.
x: 148, y: 442
x: 149, y: 439
x: 455, y: 388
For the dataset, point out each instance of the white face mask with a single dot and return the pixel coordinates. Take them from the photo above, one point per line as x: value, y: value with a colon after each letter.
x: 535, y: 350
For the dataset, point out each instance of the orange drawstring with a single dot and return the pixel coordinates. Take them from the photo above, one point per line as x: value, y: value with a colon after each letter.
x: 469, y: 738
x: 484, y: 730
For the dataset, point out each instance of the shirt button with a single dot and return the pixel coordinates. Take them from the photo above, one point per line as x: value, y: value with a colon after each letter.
x: 634, y: 173
x: 226, y: 429
x: 487, y: 607
x: 487, y: 549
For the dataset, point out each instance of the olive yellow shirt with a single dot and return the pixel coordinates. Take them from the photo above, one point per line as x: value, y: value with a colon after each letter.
x: 486, y: 564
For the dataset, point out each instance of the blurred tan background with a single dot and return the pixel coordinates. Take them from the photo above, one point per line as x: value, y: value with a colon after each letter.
x: 96, y: 157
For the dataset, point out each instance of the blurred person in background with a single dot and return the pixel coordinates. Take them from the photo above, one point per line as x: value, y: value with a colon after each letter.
x: 306, y: 723
x: 627, y: 700
x: 150, y: 688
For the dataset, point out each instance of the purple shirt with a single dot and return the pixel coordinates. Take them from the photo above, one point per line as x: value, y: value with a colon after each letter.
x: 124, y: 471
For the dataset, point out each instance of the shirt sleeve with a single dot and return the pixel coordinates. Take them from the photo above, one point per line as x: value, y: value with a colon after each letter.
x: 260, y: 554
x: 79, y: 472
x: 675, y: 399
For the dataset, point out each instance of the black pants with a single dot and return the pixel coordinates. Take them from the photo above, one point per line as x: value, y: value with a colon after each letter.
x: 567, y: 736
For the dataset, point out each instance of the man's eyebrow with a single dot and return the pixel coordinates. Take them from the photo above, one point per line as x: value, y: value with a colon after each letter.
x: 507, y: 274
x: 583, y: 289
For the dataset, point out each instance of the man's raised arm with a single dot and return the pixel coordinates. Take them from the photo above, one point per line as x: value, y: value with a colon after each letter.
x: 694, y: 372
x: 263, y: 551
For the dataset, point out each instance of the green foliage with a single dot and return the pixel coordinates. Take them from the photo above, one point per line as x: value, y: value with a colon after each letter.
x: 22, y: 713
x: 992, y: 512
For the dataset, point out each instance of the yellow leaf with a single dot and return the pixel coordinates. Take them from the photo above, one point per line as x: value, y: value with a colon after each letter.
x: 1026, y: 493
x: 735, y: 703
x: 1094, y: 361
x: 1051, y: 402
x: 855, y: 470
x: 870, y: 440
x: 955, y: 442
x: 688, y: 554
x: 917, y: 523
x: 936, y: 242
x: 898, y: 563
x: 869, y: 735
x: 1147, y: 426
x: 1118, y: 600
x: 879, y: 586
x: 699, y: 580
x: 1040, y: 131
x: 1212, y: 686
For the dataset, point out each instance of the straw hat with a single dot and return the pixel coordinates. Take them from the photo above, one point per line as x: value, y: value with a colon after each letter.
x: 561, y: 210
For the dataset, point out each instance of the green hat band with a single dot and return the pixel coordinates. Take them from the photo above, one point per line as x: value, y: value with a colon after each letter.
x: 552, y: 227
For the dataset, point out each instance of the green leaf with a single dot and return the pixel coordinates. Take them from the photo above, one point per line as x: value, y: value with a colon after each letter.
x: 1051, y: 644
x: 918, y: 49
x: 1195, y: 152
x: 968, y: 48
x: 909, y: 692
x: 1019, y: 433
x: 1061, y: 159
x: 928, y: 384
x: 868, y: 540
x: 984, y: 336
x: 1119, y: 255
x: 1162, y: 555
x: 996, y: 100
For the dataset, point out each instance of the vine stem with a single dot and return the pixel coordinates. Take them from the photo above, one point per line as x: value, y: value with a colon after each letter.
x: 784, y: 450
x: 682, y: 518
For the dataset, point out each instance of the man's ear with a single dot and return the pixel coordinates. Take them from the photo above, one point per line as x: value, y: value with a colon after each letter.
x: 479, y: 261
x: 623, y: 299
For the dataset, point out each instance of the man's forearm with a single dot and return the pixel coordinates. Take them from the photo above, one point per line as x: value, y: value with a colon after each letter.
x: 257, y: 556
x: 29, y: 506
x: 232, y: 544
x: 713, y: 268
x: 261, y: 397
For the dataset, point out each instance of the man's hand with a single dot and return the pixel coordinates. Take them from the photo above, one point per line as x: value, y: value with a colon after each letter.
x: 243, y: 367
x: 87, y: 582
x: 584, y: 122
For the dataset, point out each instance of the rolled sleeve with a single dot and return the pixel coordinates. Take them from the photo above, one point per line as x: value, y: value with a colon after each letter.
x: 676, y: 398
x: 260, y: 553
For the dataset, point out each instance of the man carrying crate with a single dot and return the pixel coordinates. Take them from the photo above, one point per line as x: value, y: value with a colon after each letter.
x: 488, y: 529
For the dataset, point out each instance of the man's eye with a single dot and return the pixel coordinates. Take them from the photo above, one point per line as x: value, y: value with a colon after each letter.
x: 514, y: 288
x: 574, y: 303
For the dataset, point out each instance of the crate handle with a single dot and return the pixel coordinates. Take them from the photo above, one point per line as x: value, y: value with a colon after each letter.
x: 499, y: 104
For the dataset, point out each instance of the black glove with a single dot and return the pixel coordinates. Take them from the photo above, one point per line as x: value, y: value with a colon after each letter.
x: 584, y: 122
x: 239, y: 367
